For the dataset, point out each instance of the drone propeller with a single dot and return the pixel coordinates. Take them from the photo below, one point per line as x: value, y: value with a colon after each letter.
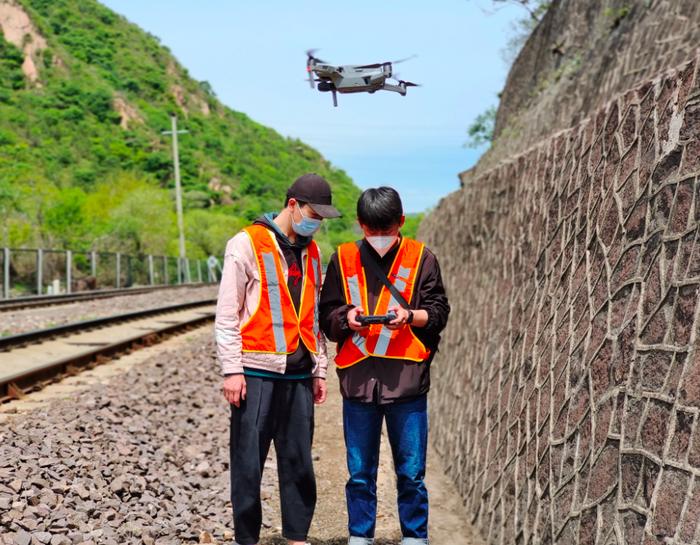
x: 404, y: 60
x: 405, y: 83
x: 310, y: 56
x: 375, y: 65
x: 310, y: 62
x: 380, y: 64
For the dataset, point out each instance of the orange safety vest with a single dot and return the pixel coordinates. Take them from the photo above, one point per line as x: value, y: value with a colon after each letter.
x: 378, y: 340
x: 275, y: 327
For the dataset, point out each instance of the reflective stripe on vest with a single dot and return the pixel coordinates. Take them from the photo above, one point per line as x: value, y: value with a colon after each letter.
x: 275, y: 327
x: 378, y: 340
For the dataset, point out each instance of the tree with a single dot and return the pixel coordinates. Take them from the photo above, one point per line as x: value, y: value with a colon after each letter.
x: 535, y: 8
x: 8, y: 198
x: 207, y: 233
x: 481, y: 130
x: 144, y: 222
x: 207, y: 88
x: 523, y: 27
x: 64, y: 219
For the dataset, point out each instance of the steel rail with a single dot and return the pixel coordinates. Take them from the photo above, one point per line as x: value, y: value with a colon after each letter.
x: 38, y: 335
x: 31, y: 301
x: 16, y: 385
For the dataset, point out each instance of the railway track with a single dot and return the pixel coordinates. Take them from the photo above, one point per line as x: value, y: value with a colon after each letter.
x: 31, y: 301
x: 30, y: 360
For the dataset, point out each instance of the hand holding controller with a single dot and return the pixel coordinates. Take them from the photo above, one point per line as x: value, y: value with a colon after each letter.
x: 376, y: 318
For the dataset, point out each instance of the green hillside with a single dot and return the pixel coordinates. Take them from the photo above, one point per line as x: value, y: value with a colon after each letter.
x: 83, y: 164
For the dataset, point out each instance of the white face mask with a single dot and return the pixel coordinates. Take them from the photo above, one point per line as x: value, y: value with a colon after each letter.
x: 382, y: 244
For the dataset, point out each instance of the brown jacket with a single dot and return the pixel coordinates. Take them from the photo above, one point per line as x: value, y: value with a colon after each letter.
x: 380, y: 379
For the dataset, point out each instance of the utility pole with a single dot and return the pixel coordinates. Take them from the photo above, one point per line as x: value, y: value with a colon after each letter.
x: 178, y: 188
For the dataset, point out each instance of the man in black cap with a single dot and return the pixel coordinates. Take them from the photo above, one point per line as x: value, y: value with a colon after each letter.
x: 273, y: 356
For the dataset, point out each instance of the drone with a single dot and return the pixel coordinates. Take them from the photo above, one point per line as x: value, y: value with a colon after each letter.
x: 351, y: 78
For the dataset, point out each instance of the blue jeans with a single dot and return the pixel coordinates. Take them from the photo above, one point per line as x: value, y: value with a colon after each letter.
x: 407, y: 427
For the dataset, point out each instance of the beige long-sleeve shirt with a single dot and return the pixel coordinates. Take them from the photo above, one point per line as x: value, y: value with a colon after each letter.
x: 239, y: 294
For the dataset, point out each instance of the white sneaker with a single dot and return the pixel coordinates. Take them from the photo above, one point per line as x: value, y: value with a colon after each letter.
x: 354, y: 540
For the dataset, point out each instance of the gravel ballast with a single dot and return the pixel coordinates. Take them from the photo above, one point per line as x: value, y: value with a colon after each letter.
x: 136, y: 452
x: 141, y: 460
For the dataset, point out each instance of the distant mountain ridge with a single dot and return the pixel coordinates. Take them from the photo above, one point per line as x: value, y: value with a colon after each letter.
x: 84, y: 97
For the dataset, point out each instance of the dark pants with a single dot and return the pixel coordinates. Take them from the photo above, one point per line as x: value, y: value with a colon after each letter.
x: 281, y: 411
x: 407, y: 428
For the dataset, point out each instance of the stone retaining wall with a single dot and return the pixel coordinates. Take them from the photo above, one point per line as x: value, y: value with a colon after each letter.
x: 566, y: 394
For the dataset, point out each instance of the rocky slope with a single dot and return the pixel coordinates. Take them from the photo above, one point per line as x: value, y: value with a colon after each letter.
x: 581, y: 55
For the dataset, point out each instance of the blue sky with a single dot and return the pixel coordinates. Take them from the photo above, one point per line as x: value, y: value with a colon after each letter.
x: 253, y: 55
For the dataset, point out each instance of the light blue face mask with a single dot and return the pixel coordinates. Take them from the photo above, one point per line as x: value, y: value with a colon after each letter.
x: 307, y: 226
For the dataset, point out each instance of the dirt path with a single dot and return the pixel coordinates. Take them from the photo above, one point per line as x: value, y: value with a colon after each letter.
x: 448, y: 524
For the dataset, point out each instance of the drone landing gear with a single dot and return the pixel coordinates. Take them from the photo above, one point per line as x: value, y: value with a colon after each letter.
x: 325, y: 87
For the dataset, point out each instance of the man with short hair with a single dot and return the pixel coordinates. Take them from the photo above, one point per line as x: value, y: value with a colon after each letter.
x: 384, y: 368
x: 273, y: 356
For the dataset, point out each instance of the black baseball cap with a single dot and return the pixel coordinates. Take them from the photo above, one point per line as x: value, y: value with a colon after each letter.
x: 315, y: 191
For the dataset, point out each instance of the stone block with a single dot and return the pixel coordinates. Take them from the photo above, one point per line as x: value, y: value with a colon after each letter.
x: 689, y: 527
x: 684, y: 314
x: 680, y: 436
x: 633, y: 527
x: 654, y: 429
x: 630, y: 476
x: 669, y: 503
x: 604, y: 476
